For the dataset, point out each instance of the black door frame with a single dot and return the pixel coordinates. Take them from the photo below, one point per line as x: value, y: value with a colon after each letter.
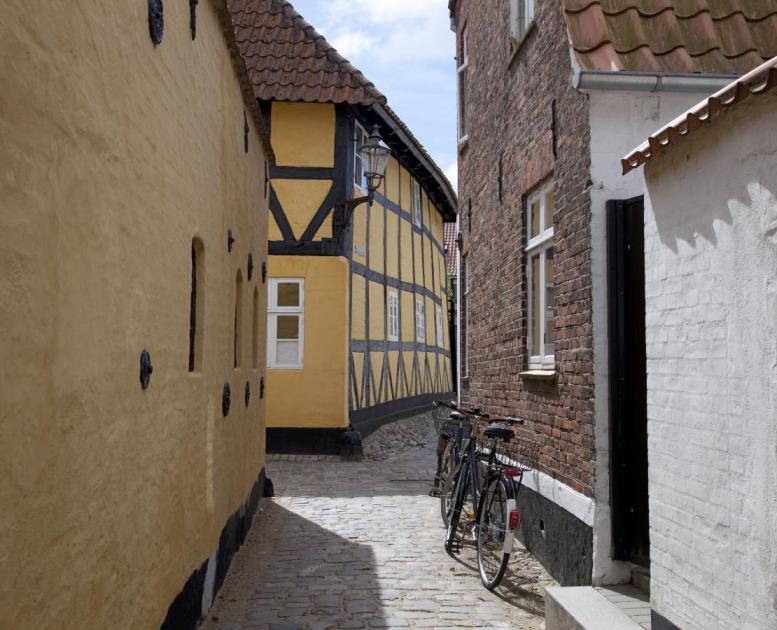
x: 628, y: 384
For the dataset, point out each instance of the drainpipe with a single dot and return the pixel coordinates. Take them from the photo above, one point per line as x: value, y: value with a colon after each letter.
x: 650, y: 81
x: 458, y: 315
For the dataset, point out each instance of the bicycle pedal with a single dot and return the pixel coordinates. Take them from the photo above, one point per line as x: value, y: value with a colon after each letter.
x: 434, y: 492
x: 455, y: 547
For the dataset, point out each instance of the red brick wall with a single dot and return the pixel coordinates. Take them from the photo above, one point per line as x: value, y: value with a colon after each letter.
x: 509, y: 100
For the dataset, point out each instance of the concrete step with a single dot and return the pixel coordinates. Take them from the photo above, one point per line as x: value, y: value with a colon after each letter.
x: 596, y: 608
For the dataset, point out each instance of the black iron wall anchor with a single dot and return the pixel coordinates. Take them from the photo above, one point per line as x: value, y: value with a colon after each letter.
x: 250, y: 267
x: 248, y: 393
x: 261, y: 388
x: 245, y: 130
x: 146, y: 369
x: 156, y: 21
x: 226, y: 396
x: 264, y: 272
x: 193, y: 17
x: 230, y: 240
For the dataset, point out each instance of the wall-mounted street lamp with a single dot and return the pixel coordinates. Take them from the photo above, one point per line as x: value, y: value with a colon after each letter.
x: 375, y: 155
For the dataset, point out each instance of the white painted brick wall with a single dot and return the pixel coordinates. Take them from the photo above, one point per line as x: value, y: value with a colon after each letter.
x: 711, y: 317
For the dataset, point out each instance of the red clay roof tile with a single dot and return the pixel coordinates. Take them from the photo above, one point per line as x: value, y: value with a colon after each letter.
x: 289, y: 61
x: 693, y: 36
x: 755, y: 83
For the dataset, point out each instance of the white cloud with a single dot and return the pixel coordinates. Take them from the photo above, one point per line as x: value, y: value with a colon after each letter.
x: 452, y: 173
x: 352, y: 44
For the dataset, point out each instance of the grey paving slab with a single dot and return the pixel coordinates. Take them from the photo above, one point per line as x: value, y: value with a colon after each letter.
x: 360, y: 545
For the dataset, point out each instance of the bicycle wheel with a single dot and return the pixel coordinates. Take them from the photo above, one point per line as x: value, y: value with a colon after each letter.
x: 445, y: 480
x: 495, y: 537
x: 460, y: 483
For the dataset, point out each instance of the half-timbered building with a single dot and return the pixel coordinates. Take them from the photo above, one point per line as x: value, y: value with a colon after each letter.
x: 357, y: 319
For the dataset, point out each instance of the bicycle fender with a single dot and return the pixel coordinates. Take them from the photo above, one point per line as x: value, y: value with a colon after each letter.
x: 507, y: 547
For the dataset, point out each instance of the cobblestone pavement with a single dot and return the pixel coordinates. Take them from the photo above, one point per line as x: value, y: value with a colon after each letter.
x: 360, y: 545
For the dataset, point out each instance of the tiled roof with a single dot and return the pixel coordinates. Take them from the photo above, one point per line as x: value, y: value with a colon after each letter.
x: 754, y: 83
x: 683, y: 36
x: 289, y: 61
x: 449, y: 239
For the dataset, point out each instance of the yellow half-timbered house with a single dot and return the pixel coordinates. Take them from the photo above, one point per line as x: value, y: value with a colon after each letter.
x: 357, y: 311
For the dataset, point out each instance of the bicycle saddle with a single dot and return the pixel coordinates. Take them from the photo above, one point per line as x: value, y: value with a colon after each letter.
x: 455, y: 415
x: 499, y: 431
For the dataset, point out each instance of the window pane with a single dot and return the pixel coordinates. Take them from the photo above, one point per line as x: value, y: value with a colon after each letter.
x: 463, y: 103
x: 549, y: 198
x: 287, y: 353
x: 550, y: 305
x: 535, y: 306
x: 288, y: 294
x: 534, y: 212
x: 287, y: 327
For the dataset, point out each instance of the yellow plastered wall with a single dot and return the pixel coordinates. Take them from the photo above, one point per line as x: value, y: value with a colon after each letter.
x: 407, y: 315
x: 392, y: 180
x: 303, y: 134
x: 392, y: 245
x: 115, y: 154
x: 358, y: 298
x: 419, y: 258
x: 377, y: 311
x: 375, y: 244
x: 315, y: 396
x: 406, y: 260
x: 359, y: 231
x: 300, y: 200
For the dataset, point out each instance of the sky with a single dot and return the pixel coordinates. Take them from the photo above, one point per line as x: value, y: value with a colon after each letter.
x: 407, y: 49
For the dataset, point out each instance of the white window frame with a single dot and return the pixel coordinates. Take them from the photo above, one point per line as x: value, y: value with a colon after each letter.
x: 420, y: 320
x: 360, y: 137
x: 273, y: 310
x: 438, y: 325
x: 461, y: 71
x: 392, y: 316
x: 417, y: 205
x: 521, y: 18
x: 539, y: 244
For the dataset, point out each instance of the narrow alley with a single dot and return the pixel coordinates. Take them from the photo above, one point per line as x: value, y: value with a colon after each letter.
x: 360, y: 545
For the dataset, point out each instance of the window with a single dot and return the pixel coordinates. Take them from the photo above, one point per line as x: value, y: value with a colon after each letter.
x: 358, y: 164
x: 393, y: 316
x: 539, y: 252
x: 416, y: 203
x: 237, y: 348
x: 420, y: 320
x: 521, y: 17
x: 438, y: 322
x: 196, y: 306
x: 285, y: 323
x: 461, y: 71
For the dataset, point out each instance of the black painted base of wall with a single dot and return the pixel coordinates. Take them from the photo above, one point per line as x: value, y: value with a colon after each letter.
x: 659, y: 622
x: 304, y: 441
x: 186, y: 610
x: 560, y: 541
x: 370, y: 419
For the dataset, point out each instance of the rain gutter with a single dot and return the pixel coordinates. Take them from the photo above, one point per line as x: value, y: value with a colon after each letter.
x: 650, y: 81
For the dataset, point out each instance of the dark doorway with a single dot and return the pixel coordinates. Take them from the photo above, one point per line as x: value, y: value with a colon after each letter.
x: 628, y: 380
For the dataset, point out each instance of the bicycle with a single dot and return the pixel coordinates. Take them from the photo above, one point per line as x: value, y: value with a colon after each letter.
x: 490, y: 474
x: 450, y: 422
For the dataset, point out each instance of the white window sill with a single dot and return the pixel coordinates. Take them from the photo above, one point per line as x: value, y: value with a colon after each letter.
x: 284, y: 369
x: 463, y: 142
x: 538, y: 374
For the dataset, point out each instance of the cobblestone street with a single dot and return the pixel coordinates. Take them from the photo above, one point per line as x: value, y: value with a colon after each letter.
x: 360, y: 545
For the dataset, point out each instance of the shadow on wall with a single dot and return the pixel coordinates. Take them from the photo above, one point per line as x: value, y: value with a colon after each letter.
x: 333, y: 584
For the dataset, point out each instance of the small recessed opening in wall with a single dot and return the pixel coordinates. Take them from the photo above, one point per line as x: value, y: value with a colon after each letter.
x: 197, y: 306
x: 255, y: 332
x: 237, y: 337
x: 542, y: 528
